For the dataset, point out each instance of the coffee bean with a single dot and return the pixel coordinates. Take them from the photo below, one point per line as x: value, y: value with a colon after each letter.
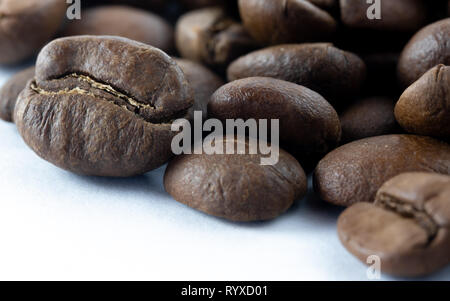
x: 290, y: 21
x: 26, y: 25
x: 368, y: 117
x: 211, y: 37
x: 335, y: 74
x: 127, y: 22
x: 11, y: 90
x: 202, y: 80
x: 354, y: 172
x: 406, y: 227
x: 396, y: 15
x: 235, y: 186
x: 308, y: 123
x: 103, y: 105
x: 424, y: 108
x: 428, y: 48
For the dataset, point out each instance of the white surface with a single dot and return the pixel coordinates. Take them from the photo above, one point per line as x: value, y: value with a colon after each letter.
x: 55, y: 225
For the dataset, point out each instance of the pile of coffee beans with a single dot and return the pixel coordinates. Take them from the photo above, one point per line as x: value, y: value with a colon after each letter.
x: 361, y: 92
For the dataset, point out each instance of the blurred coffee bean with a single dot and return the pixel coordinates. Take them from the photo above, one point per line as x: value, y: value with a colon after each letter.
x: 335, y: 74
x: 202, y: 80
x: 103, y: 106
x: 395, y: 15
x: 11, y: 90
x: 26, y: 25
x: 424, y: 108
x: 211, y: 37
x: 290, y: 21
x: 369, y: 117
x: 428, y: 48
x: 124, y: 21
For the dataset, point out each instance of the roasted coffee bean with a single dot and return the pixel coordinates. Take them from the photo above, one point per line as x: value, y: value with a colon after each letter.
x: 202, y: 80
x: 369, y: 117
x: 11, y: 90
x: 124, y: 21
x: 211, y: 37
x: 290, y: 21
x: 406, y: 227
x: 103, y: 105
x: 424, y: 108
x: 396, y: 15
x: 354, y: 172
x: 428, y: 48
x: 236, y: 186
x: 26, y: 25
x: 335, y: 74
x: 308, y: 123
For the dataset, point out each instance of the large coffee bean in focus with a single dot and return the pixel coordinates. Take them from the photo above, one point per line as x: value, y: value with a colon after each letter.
x: 354, y: 172
x: 308, y: 123
x: 406, y: 227
x: 103, y: 106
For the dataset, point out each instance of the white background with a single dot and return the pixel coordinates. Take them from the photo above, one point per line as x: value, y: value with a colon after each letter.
x: 55, y: 225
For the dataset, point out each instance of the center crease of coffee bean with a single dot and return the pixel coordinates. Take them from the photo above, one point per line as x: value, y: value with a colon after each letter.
x: 423, y: 219
x: 137, y: 106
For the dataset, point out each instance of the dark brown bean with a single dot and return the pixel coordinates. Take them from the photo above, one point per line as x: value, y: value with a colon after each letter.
x: 308, y: 123
x: 369, y: 117
x: 26, y: 25
x: 103, y: 105
x: 290, y: 21
x: 335, y: 74
x: 406, y: 227
x: 124, y: 21
x: 396, y: 15
x: 211, y: 37
x: 236, y: 187
x: 428, y: 48
x: 202, y: 80
x: 11, y: 90
x: 424, y: 108
x: 354, y: 172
